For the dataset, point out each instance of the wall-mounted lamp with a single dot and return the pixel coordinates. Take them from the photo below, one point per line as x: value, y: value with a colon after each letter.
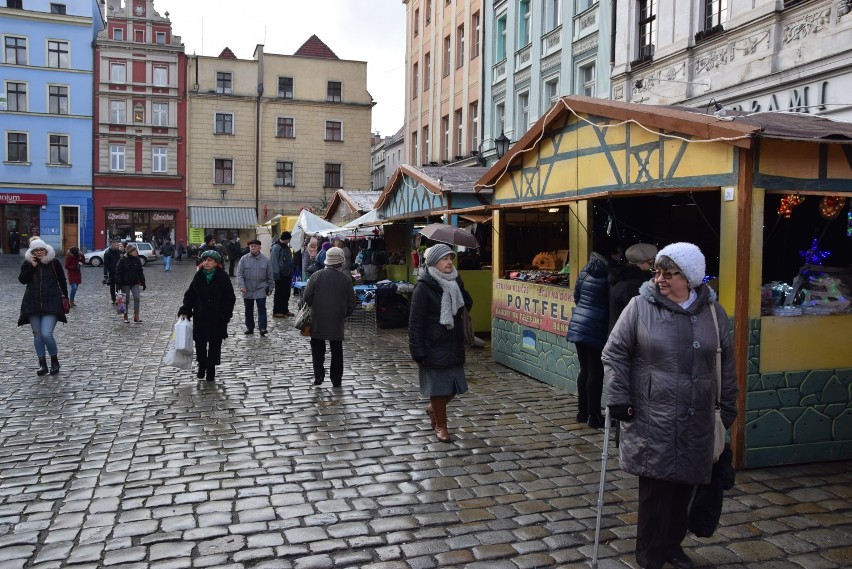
x: 501, y: 144
x: 553, y: 210
x: 224, y: 191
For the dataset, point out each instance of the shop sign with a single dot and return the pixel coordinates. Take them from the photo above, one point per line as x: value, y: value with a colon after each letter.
x: 118, y: 216
x: 23, y: 199
x: 542, y: 307
x: 196, y: 235
x: 162, y: 216
x: 810, y: 98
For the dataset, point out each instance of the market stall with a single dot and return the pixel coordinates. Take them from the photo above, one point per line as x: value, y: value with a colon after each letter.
x: 658, y: 174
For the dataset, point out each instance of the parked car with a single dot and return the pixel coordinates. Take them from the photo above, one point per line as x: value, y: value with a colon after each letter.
x: 147, y: 253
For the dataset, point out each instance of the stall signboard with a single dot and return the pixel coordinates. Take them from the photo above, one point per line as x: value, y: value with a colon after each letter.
x: 538, y: 306
x: 196, y: 235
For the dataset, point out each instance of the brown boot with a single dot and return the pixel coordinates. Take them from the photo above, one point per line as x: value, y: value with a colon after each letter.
x: 126, y: 319
x: 136, y: 317
x: 439, y: 408
x: 431, y: 414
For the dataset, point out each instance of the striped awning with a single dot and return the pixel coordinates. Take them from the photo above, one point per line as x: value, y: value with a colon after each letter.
x: 222, y: 217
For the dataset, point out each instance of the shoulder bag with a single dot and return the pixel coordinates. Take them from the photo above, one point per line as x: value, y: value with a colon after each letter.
x: 66, y: 306
x: 718, y: 427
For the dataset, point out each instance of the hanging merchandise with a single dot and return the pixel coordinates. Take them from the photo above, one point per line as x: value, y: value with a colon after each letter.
x: 830, y: 206
x: 788, y: 202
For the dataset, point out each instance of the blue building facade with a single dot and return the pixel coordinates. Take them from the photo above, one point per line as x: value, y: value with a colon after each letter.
x: 46, y: 98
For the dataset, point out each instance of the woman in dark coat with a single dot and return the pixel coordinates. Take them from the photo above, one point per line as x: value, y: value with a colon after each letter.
x: 436, y: 334
x: 129, y: 276
x: 74, y: 259
x: 41, y: 306
x: 210, y: 300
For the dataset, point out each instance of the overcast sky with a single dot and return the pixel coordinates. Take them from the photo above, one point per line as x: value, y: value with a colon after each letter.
x: 359, y: 30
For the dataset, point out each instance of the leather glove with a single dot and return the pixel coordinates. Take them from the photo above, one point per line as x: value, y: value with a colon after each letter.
x: 621, y: 412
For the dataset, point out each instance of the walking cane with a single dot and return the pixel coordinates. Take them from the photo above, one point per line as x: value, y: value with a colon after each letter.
x: 604, y: 457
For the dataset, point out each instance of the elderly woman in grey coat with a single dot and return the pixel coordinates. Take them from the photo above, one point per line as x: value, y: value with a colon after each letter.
x: 661, y: 382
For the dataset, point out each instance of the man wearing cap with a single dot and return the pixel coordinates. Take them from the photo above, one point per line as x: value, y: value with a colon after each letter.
x: 282, y: 270
x: 256, y: 282
x: 625, y: 279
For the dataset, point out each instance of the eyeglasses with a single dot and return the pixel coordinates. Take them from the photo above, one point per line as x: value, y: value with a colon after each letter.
x: 40, y: 250
x: 667, y: 275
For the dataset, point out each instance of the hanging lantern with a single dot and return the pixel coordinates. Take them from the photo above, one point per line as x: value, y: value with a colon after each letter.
x: 830, y: 206
x: 788, y: 202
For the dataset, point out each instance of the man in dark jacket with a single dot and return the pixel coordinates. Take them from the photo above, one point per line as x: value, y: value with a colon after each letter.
x: 111, y: 258
x: 332, y: 298
x: 234, y: 254
x: 167, y: 250
x: 282, y: 271
x: 625, y: 279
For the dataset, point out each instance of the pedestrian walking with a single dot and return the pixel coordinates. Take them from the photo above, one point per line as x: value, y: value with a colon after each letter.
x: 41, y: 306
x: 331, y: 296
x: 234, y: 254
x: 129, y: 277
x: 436, y: 334
x: 210, y: 301
x: 181, y: 250
x: 167, y: 250
x: 256, y: 282
x: 111, y: 258
x: 74, y: 259
x: 282, y: 271
x: 661, y: 382
x: 626, y: 278
x: 589, y: 326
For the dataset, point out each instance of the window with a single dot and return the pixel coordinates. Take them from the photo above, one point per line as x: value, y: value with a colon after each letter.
x: 583, y: 5
x: 647, y: 28
x: 415, y: 25
x: 459, y: 134
x: 333, y: 176
x: 523, y: 113
x: 500, y: 117
x: 415, y: 148
x: 415, y: 80
x: 551, y: 14
x: 17, y: 4
x: 428, y: 14
x: 223, y: 171
x: 286, y: 127
x: 17, y: 96
x: 117, y: 72
x: 445, y: 146
x: 139, y: 36
x: 160, y: 159
x: 474, y: 26
x: 459, y: 46
x: 57, y: 54
x: 474, y: 126
x: 224, y: 123
x: 17, y: 147
x: 160, y: 38
x: 447, y: 56
x: 223, y: 82
x: 284, y: 174
x: 714, y: 13
x: 500, y: 47
x: 59, y: 149
x: 427, y: 71
x: 116, y: 157
x: 334, y: 92
x: 587, y: 78
x: 523, y: 23
x: 427, y: 145
x: 118, y: 34
x: 15, y: 50
x: 57, y: 100
x: 160, y: 114
x: 285, y: 87
x: 333, y: 130
x: 117, y: 112
x: 161, y: 75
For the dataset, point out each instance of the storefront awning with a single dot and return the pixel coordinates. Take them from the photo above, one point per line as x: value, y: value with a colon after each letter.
x: 223, y: 217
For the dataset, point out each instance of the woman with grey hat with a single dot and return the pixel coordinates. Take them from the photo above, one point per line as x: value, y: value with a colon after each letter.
x: 332, y: 298
x: 661, y: 382
x: 129, y: 276
x: 436, y: 334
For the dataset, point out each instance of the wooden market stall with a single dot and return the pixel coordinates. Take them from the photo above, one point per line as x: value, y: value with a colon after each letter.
x: 684, y: 175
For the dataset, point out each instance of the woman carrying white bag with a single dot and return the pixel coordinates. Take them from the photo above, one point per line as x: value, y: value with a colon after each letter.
x: 179, y: 353
x: 210, y: 301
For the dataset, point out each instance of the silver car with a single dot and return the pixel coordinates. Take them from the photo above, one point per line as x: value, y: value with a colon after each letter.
x: 147, y: 253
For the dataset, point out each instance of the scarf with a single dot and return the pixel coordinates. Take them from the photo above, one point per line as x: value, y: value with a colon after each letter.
x: 208, y: 275
x: 451, y: 299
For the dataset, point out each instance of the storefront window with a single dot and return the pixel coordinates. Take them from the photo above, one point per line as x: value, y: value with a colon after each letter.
x: 140, y: 225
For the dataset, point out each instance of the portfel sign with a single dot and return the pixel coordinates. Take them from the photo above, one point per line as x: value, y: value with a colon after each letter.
x: 538, y: 306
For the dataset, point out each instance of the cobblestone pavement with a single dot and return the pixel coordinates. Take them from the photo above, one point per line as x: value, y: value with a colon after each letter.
x: 121, y: 462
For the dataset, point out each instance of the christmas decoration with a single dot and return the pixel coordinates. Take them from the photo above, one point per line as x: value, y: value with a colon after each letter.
x: 814, y: 255
x: 849, y: 222
x: 788, y: 202
x: 830, y: 206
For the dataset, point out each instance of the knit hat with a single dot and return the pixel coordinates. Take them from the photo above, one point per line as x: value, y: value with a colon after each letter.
x: 326, y: 246
x: 436, y: 252
x: 641, y: 252
x: 211, y: 253
x: 129, y: 247
x: 208, y: 238
x: 285, y: 236
x: 334, y: 256
x: 37, y: 244
x: 688, y: 258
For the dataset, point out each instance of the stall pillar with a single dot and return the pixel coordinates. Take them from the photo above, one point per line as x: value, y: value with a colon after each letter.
x: 579, y: 236
x: 498, y: 260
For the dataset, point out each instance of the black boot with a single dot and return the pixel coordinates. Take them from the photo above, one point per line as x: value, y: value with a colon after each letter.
x: 54, y: 365
x: 211, y: 373
x: 42, y: 366
x: 201, y: 369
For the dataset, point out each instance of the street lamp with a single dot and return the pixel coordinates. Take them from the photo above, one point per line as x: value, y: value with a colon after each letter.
x: 501, y: 144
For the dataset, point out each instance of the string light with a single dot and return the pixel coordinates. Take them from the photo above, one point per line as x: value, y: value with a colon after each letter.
x: 788, y: 202
x: 830, y: 206
x: 814, y: 255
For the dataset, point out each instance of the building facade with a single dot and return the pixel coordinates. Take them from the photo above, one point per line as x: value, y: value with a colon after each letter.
x: 274, y: 134
x: 758, y: 56
x: 140, y: 127
x: 46, y: 122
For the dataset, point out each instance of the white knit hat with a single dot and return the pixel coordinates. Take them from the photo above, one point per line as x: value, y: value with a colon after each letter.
x: 435, y: 253
x: 689, y: 259
x: 37, y: 244
x: 334, y: 256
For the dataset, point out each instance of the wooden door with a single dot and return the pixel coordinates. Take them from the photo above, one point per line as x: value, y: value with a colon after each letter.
x: 70, y: 227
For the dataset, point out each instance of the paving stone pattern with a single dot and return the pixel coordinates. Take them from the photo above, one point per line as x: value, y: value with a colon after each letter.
x: 120, y: 462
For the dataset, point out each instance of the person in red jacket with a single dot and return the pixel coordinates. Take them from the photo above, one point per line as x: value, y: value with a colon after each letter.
x: 74, y: 259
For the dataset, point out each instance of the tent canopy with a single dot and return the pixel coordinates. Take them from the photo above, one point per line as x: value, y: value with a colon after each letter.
x: 308, y: 224
x: 370, y: 218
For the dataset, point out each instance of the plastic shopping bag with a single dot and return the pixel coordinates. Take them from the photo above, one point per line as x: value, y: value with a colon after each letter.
x: 183, y: 335
x: 120, y: 303
x: 176, y: 358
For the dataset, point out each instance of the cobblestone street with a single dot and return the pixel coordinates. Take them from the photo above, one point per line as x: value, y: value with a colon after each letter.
x: 121, y: 462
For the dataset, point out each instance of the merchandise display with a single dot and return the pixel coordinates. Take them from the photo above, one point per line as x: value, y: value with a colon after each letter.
x: 554, y: 278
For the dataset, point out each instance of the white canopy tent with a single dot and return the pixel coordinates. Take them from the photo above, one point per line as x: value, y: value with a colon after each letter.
x: 308, y: 224
x: 368, y: 219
